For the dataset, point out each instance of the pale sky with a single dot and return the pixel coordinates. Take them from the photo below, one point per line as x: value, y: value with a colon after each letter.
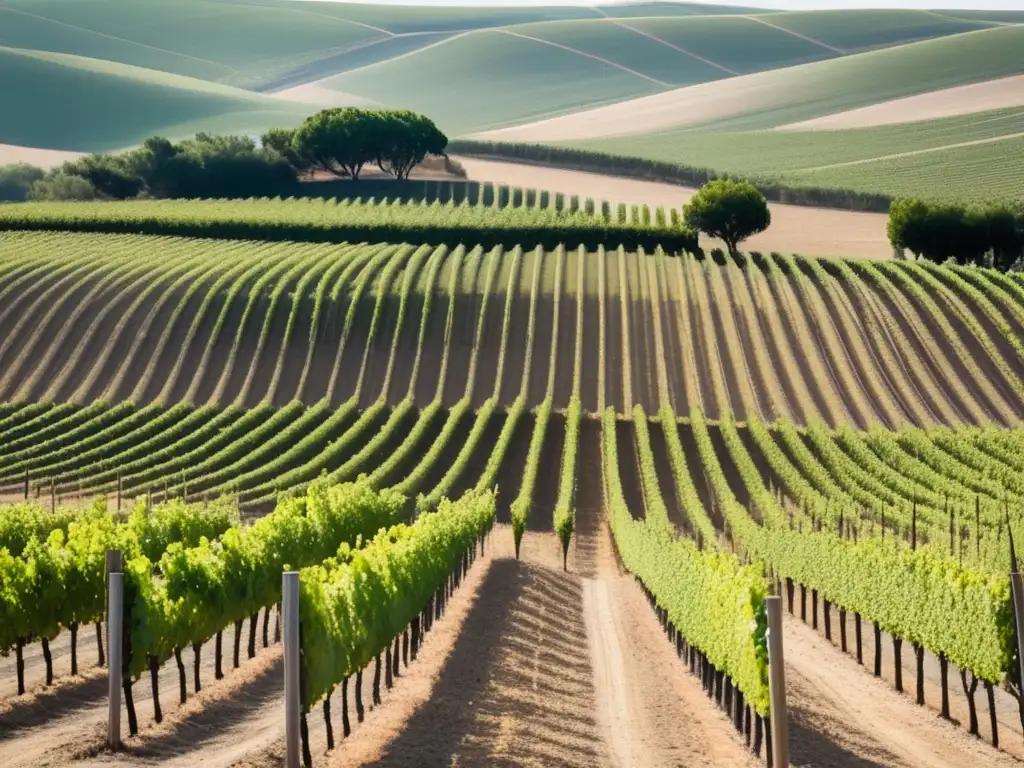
x: 794, y: 5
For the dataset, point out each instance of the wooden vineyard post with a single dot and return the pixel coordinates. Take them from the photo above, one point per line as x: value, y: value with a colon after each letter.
x: 115, y: 617
x: 290, y: 620
x: 1017, y: 587
x: 119, y: 490
x: 777, y: 684
x: 26, y: 485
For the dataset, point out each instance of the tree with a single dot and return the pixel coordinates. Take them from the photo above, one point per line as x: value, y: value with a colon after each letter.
x: 109, y: 174
x: 281, y: 142
x: 339, y: 141
x: 405, y: 138
x: 62, y: 186
x: 343, y: 140
x: 729, y: 210
x: 16, y: 180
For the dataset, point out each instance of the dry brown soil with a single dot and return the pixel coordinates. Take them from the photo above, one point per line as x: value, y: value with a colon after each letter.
x: 794, y: 229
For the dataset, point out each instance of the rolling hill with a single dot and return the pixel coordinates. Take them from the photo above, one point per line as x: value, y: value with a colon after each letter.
x: 71, y: 102
x: 698, y: 84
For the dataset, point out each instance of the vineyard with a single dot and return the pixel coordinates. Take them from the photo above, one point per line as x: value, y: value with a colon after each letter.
x: 224, y: 391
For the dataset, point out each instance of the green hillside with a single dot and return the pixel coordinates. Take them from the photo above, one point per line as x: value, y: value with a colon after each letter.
x: 824, y: 88
x: 229, y: 42
x: 624, y: 47
x: 492, y: 79
x: 862, y: 29
x: 70, y: 102
x: 131, y: 68
x: 739, y: 44
x: 860, y: 159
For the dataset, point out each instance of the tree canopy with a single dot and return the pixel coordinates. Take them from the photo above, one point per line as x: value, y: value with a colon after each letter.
x: 345, y: 139
x: 966, y: 234
x: 729, y: 210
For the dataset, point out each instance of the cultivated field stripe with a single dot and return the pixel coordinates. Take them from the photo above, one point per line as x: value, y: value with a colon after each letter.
x: 295, y: 299
x: 797, y: 334
x: 895, y: 358
x: 329, y: 278
x: 52, y: 298
x: 837, y: 355
x: 396, y: 263
x: 729, y: 343
x: 774, y: 400
x: 199, y: 273
x: 835, y: 303
x: 760, y: 20
x: 412, y: 274
x: 377, y: 262
x: 104, y: 293
x: 243, y: 271
x: 674, y: 47
x: 493, y: 258
x: 626, y: 364
x: 945, y: 350
x: 510, y: 297
x: 276, y: 280
x: 608, y: 62
x: 168, y: 463
x: 146, y: 283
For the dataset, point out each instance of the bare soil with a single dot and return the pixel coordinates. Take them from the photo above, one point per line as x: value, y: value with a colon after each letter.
x: 666, y: 480
x: 629, y: 468
x: 946, y: 102
x: 673, y: 348
x: 460, y: 351
x: 545, y: 494
x: 429, y: 373
x: 510, y: 473
x: 565, y: 360
x: 704, y: 358
x: 794, y: 229
x: 614, y: 375
x: 842, y: 716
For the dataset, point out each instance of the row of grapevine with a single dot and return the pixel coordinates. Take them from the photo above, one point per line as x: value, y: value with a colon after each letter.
x: 716, y: 604
x: 356, y: 604
x: 53, y: 578
x: 200, y: 590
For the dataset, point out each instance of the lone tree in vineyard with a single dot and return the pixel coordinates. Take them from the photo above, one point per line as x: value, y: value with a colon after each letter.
x: 730, y: 210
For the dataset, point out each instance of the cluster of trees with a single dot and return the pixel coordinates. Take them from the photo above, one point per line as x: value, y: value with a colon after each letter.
x: 342, y: 141
x: 338, y: 141
x: 988, y: 235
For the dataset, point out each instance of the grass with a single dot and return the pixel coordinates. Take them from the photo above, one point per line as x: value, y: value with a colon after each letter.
x: 625, y: 47
x: 855, y: 158
x: 975, y: 173
x: 506, y: 79
x: 175, y: 67
x: 69, y: 102
x: 232, y: 42
x: 737, y: 43
x: 852, y: 30
x: 827, y: 87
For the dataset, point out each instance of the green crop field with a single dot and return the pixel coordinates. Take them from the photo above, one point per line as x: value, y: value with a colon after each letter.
x: 439, y: 472
x: 96, y: 92
x: 439, y: 60
x: 913, y: 158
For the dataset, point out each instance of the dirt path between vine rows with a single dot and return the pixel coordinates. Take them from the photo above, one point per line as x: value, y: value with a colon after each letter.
x: 841, y: 716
